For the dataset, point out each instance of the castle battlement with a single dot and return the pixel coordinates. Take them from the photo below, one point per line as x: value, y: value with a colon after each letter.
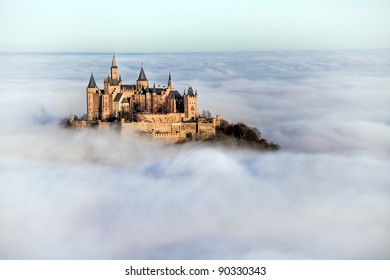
x: 164, y: 134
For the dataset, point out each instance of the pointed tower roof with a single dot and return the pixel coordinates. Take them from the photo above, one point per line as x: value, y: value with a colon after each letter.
x: 114, y: 61
x: 169, y: 80
x: 142, y: 76
x: 92, y: 83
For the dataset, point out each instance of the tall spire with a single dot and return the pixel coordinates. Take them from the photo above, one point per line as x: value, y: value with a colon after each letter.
x: 92, y: 83
x: 142, y: 76
x: 114, y: 69
x: 114, y: 61
x: 169, y: 80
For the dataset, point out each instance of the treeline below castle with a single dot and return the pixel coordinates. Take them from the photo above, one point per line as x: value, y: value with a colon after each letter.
x: 241, y: 135
x: 238, y: 135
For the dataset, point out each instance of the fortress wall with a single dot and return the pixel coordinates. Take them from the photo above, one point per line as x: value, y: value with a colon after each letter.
x: 155, y: 130
x: 160, y: 118
x: 172, y: 131
x: 160, y: 127
x: 148, y: 127
x: 80, y: 124
x: 206, y: 130
x: 166, y: 136
x: 187, y: 128
x: 103, y: 125
x: 127, y: 128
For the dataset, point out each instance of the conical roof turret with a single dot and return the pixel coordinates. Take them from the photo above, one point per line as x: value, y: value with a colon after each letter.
x: 142, y: 76
x: 92, y: 83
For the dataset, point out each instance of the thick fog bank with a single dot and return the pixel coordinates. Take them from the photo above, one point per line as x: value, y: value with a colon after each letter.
x: 88, y: 194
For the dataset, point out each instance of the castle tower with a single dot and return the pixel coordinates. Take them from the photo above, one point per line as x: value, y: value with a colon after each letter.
x: 190, y: 104
x: 142, y: 81
x: 114, y: 69
x: 105, y: 106
x: 92, y: 99
x: 169, y: 81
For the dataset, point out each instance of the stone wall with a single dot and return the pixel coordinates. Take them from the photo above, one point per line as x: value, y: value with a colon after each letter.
x: 188, y: 130
x: 79, y: 124
x: 104, y: 126
x: 174, y: 137
x: 133, y: 126
x: 206, y: 130
x: 160, y: 118
x: 172, y: 131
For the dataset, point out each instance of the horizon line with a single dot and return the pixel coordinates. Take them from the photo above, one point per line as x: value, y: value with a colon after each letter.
x: 192, y: 52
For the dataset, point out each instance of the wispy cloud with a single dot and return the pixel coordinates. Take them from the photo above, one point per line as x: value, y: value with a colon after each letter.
x: 89, y: 194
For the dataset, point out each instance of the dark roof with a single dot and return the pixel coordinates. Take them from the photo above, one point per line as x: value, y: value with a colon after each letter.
x: 158, y: 91
x: 142, y: 76
x: 190, y: 91
x: 176, y: 94
x: 92, y: 83
x: 124, y: 100
x: 128, y: 87
x: 118, y: 97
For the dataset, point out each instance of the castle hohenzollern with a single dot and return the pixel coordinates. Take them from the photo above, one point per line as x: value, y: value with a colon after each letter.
x: 161, y: 112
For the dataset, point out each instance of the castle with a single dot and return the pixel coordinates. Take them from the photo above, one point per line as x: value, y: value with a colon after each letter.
x: 161, y: 112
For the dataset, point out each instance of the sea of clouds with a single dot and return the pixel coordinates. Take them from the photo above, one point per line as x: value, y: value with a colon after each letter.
x: 86, y: 194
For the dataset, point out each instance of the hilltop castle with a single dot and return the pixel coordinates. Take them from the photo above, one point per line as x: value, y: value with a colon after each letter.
x: 159, y: 111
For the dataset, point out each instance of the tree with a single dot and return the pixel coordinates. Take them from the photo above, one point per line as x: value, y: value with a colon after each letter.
x: 224, y: 124
x: 207, y: 115
x: 127, y: 115
x: 64, y: 122
x: 137, y: 107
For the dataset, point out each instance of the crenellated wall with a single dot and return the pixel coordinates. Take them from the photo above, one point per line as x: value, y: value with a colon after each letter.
x: 181, y: 130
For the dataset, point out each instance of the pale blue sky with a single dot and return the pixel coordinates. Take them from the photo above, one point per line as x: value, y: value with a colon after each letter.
x: 193, y: 26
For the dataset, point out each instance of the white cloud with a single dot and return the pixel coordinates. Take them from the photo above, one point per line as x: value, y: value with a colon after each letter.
x: 87, y: 194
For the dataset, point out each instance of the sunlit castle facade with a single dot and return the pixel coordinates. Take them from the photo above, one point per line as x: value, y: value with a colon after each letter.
x: 159, y: 111
x: 116, y: 98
